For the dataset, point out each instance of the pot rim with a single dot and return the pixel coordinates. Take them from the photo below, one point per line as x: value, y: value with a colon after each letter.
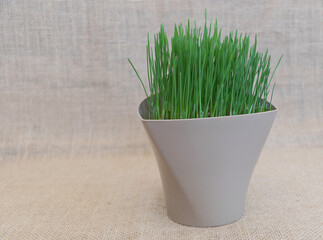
x: 274, y: 110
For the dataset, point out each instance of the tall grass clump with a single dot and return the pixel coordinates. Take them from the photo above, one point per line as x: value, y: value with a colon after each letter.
x: 203, y: 75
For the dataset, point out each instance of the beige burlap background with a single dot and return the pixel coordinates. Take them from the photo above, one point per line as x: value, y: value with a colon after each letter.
x: 74, y: 159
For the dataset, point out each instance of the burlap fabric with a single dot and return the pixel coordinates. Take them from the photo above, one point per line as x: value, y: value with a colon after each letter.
x: 74, y: 159
x: 119, y: 196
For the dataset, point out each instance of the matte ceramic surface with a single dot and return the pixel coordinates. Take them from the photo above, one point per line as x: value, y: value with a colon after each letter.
x: 206, y: 164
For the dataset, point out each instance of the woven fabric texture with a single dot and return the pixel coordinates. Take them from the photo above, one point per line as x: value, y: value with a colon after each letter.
x: 75, y: 162
x: 119, y: 196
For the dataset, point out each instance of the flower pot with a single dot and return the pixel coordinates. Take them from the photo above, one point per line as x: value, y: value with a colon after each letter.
x: 206, y: 163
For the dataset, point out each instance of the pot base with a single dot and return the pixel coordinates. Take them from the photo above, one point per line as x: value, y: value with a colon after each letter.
x: 210, y: 225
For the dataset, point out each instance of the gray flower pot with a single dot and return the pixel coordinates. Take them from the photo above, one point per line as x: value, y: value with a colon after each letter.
x: 206, y: 164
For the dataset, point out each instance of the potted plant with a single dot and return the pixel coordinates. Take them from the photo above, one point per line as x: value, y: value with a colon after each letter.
x: 208, y: 114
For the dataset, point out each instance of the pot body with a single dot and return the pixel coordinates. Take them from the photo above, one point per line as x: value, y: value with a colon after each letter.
x: 206, y: 164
